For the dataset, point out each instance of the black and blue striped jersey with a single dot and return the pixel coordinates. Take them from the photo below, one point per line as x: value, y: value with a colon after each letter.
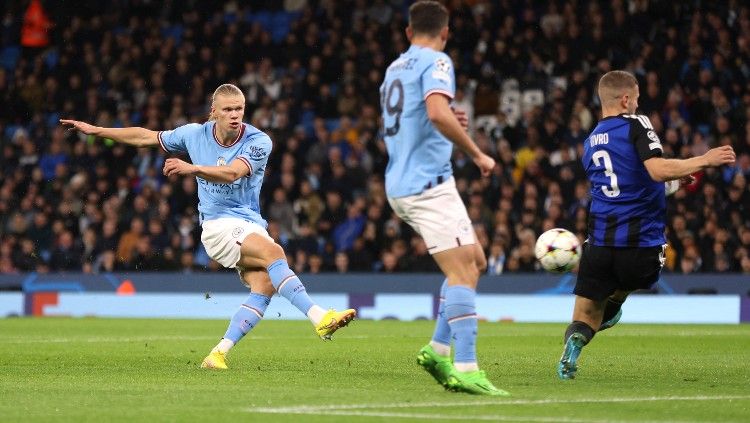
x: 628, y: 208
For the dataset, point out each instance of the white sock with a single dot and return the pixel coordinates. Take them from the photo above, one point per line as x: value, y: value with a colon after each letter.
x: 315, y: 314
x: 441, y: 349
x: 223, y: 346
x: 466, y: 367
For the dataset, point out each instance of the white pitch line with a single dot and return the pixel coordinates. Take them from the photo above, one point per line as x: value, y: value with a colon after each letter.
x: 311, y: 409
x: 474, y: 417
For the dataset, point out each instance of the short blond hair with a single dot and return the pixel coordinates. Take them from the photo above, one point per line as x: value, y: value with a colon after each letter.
x: 224, y: 90
x: 613, y: 84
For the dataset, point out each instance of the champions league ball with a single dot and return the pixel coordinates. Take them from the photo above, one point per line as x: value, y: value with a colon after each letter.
x: 558, y: 250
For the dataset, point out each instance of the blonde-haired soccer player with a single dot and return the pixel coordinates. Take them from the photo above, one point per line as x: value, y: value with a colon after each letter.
x: 228, y: 160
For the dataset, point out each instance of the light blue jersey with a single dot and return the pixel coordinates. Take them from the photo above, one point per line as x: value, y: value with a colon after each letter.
x: 238, y: 199
x: 419, y: 155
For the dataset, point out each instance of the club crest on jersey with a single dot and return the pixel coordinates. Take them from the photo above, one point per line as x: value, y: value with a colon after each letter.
x: 237, y: 232
x: 221, y: 161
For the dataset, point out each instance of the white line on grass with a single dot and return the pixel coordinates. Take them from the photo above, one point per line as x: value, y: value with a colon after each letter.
x: 358, y: 409
x: 474, y: 417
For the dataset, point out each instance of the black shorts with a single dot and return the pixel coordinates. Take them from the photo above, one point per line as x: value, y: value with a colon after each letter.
x: 603, y: 270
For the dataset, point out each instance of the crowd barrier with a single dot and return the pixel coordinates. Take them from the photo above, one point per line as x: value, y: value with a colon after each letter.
x: 538, y: 297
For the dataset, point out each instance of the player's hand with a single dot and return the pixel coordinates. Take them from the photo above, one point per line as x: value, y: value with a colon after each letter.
x: 485, y: 164
x: 174, y: 166
x: 463, y: 119
x: 720, y: 156
x: 80, y: 126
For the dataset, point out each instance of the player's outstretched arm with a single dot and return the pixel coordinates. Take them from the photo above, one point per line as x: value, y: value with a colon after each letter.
x: 447, y: 122
x: 662, y: 170
x: 219, y: 174
x: 135, y: 136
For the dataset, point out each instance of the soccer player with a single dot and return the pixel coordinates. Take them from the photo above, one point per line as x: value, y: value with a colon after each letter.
x: 228, y: 160
x: 624, y: 251
x: 420, y: 130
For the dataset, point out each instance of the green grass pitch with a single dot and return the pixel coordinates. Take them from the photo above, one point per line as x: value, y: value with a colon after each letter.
x: 59, y: 369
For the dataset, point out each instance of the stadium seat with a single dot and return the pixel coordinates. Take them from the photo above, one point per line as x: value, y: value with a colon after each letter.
x: 332, y: 124
x: 531, y: 99
x: 485, y: 121
x: 510, y: 84
x: 52, y: 119
x: 174, y: 32
x: 51, y: 58
x: 559, y: 82
x: 264, y: 18
x: 281, y: 22
x: 510, y: 103
x: 9, y: 56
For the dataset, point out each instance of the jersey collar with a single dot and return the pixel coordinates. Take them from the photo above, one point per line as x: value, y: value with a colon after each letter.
x: 615, y: 116
x: 239, y: 135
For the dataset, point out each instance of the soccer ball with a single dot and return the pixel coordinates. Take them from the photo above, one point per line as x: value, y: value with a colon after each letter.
x: 558, y: 250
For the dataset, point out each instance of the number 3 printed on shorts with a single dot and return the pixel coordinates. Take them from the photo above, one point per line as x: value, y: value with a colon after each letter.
x: 394, y: 107
x: 602, y: 156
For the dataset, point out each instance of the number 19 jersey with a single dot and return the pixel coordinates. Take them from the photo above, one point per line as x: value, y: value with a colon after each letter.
x: 419, y: 155
x: 628, y: 208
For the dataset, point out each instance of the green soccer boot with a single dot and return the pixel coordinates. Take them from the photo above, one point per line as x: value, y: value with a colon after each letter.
x: 475, y: 383
x: 438, y: 366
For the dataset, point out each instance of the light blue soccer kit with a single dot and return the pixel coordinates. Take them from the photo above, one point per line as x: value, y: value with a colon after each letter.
x: 229, y: 212
x: 240, y: 199
x: 419, y: 154
x: 419, y: 182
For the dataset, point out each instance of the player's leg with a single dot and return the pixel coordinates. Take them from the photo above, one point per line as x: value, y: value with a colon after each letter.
x: 246, y: 318
x: 440, y: 217
x: 259, y: 250
x: 596, y: 281
x: 441, y: 337
x: 461, y: 266
x: 435, y: 357
x: 639, y: 269
x: 613, y: 309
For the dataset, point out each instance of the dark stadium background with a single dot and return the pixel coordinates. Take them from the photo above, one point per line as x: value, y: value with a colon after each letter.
x: 526, y: 74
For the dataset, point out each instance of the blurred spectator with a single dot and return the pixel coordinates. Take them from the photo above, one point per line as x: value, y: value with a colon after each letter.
x: 347, y: 231
x: 128, y: 241
x: 65, y: 256
x: 525, y: 75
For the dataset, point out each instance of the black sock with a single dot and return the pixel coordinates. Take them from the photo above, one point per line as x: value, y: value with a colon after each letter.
x: 580, y: 327
x: 613, y: 306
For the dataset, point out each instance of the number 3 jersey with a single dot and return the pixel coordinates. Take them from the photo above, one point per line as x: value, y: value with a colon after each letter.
x: 419, y: 155
x: 628, y: 208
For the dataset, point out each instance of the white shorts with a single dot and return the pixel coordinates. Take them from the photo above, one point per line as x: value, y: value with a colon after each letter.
x: 437, y: 214
x: 223, y: 238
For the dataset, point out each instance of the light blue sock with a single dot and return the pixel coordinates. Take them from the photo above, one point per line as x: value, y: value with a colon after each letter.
x: 460, y: 311
x: 442, y: 334
x: 289, y: 286
x: 249, y: 314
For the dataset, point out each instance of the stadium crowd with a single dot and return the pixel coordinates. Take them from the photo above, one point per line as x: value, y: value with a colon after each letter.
x: 526, y: 75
